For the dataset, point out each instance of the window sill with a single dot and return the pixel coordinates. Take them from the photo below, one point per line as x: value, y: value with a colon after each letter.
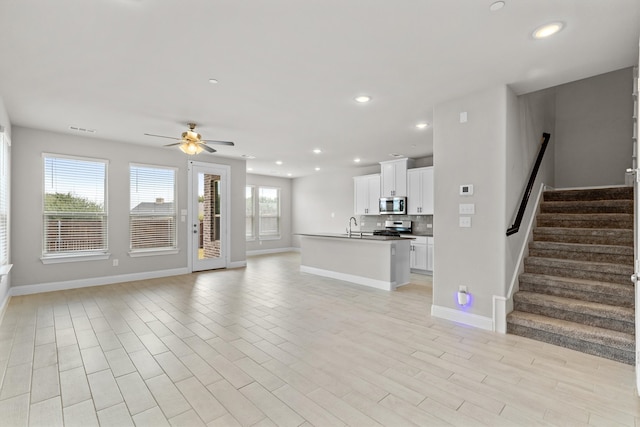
x: 153, y: 252
x: 58, y: 259
x: 270, y: 237
x: 5, y: 269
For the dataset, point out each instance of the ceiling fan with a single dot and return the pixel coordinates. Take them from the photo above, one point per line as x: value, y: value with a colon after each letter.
x: 191, y: 142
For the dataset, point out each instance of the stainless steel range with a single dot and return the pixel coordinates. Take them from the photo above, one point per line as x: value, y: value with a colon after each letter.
x: 394, y: 228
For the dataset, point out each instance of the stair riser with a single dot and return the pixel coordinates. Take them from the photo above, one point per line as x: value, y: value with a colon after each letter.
x: 625, y: 356
x: 581, y: 222
x: 622, y: 279
x: 585, y: 318
x: 615, y: 238
x: 582, y: 295
x: 627, y: 208
x: 621, y: 193
x: 582, y: 256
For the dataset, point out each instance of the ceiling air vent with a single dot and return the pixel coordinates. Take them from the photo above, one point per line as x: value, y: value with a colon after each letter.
x: 83, y: 130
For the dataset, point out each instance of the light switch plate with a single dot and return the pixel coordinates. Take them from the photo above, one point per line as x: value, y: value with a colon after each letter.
x: 463, y: 117
x: 465, y: 221
x: 467, y: 208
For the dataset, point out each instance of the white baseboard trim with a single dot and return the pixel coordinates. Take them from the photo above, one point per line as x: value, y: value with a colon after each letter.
x: 359, y: 280
x: 463, y: 317
x: 94, y: 281
x: 501, y: 307
x: 271, y: 251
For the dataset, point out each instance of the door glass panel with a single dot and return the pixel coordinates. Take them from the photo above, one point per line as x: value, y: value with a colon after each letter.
x: 209, y: 216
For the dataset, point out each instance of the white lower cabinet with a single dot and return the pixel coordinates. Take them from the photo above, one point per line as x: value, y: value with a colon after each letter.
x: 421, y: 254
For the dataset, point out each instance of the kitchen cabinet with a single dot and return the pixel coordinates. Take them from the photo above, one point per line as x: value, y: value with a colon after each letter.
x: 430, y: 254
x: 421, y: 253
x: 393, y: 177
x: 418, y: 253
x: 366, y: 193
x: 420, y: 191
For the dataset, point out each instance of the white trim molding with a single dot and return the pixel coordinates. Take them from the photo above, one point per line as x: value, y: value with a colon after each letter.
x: 359, y: 280
x: 470, y: 319
x: 271, y: 251
x: 94, y: 281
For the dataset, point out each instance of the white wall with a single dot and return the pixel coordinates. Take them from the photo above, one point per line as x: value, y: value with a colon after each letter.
x: 26, y: 230
x: 593, y: 130
x: 470, y: 153
x: 284, y: 184
x: 5, y: 281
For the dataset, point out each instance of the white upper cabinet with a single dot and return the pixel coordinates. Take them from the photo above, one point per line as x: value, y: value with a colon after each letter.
x: 420, y: 191
x: 393, y: 180
x: 366, y: 191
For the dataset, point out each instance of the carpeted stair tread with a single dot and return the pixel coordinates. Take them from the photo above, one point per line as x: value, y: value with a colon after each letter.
x: 607, y: 272
x: 617, y: 236
x: 585, y: 312
x: 582, y: 289
x: 601, y: 342
x: 614, y: 254
x: 610, y: 193
x: 587, y: 207
x: 599, y: 220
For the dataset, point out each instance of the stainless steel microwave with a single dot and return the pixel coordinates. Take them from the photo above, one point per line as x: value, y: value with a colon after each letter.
x: 393, y: 205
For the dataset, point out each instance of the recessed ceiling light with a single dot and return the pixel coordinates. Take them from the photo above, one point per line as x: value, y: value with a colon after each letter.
x: 422, y: 125
x: 357, y: 160
x: 213, y: 81
x: 396, y: 155
x: 317, y: 151
x: 249, y: 169
x: 248, y: 156
x: 317, y: 168
x: 547, y: 30
x: 83, y: 130
x: 289, y: 174
x: 363, y: 99
x: 496, y: 6
x: 278, y: 162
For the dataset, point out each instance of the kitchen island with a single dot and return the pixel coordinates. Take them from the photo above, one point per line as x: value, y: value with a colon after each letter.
x: 380, y: 262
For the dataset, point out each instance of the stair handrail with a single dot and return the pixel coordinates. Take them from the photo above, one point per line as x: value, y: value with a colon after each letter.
x: 525, y: 197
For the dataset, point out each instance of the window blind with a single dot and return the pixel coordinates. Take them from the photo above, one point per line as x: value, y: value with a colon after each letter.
x: 153, y: 211
x: 75, y: 217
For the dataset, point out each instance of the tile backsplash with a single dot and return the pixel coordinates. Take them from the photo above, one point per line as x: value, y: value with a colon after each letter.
x: 420, y: 224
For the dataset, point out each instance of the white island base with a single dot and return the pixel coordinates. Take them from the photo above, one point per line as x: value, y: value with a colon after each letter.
x: 379, y: 263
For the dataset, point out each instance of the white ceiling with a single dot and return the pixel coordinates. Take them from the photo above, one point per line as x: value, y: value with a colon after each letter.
x: 288, y: 70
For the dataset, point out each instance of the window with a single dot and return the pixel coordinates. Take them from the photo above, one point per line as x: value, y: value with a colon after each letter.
x: 75, y: 218
x: 269, y: 210
x: 250, y: 212
x: 153, y: 211
x: 4, y: 200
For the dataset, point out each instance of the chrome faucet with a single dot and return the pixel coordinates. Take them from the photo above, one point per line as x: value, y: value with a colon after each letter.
x: 349, y: 228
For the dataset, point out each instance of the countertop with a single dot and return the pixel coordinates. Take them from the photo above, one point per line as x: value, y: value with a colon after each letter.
x: 356, y: 236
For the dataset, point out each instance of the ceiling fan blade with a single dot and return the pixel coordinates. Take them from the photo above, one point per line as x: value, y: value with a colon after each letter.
x: 207, y: 148
x: 211, y: 141
x: 162, y: 136
x: 175, y: 143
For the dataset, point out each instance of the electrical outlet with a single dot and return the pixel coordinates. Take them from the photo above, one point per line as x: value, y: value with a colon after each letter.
x: 115, y: 262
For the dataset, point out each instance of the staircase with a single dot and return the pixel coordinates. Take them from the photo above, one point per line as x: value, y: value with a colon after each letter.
x: 576, y: 291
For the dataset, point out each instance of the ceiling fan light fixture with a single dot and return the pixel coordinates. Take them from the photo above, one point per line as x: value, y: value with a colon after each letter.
x: 190, y: 147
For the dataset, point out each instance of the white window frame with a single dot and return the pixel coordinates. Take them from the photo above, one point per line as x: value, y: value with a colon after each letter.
x: 252, y: 237
x: 262, y: 236
x: 5, y: 204
x: 79, y: 255
x: 167, y: 250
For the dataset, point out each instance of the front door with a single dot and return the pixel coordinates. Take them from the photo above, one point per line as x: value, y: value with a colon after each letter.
x: 208, y: 214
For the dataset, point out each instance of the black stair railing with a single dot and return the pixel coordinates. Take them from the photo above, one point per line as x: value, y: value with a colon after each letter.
x: 525, y: 197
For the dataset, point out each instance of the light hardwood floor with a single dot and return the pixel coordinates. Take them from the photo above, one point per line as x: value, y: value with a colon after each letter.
x: 268, y: 345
